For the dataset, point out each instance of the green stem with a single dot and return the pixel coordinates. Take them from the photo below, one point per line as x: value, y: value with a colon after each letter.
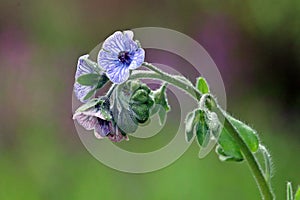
x: 179, y: 81
x: 156, y: 73
x: 141, y: 74
x: 257, y: 172
x: 111, y: 89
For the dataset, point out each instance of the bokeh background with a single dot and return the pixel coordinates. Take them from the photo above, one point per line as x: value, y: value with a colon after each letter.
x: 255, y: 44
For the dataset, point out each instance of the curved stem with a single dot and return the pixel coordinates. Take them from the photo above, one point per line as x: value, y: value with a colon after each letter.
x: 189, y: 89
x: 257, y: 172
x: 181, y: 78
x: 178, y: 81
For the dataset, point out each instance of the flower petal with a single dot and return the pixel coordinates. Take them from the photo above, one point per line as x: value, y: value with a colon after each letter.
x: 114, y: 43
x: 118, y: 74
x: 102, y: 128
x: 129, y: 34
x: 97, y: 135
x: 107, y: 60
x: 81, y: 91
x: 130, y: 45
x: 83, y: 67
x: 138, y: 59
x: 87, y: 122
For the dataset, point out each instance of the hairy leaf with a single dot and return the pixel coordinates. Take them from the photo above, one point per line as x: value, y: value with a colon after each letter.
x: 89, y: 104
x: 202, y: 85
x: 88, y: 79
x: 200, y: 123
x: 246, y: 132
x: 228, y: 149
x: 190, y: 123
x: 89, y: 94
x: 161, y: 106
x: 121, y: 113
x: 202, y: 129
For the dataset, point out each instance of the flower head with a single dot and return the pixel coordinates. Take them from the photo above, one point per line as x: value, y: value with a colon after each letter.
x: 120, y: 54
x: 88, y: 78
x: 83, y: 67
x: 95, y: 115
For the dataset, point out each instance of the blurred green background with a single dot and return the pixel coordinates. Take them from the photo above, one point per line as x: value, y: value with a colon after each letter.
x: 255, y: 44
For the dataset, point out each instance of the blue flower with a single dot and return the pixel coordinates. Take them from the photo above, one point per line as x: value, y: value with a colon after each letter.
x: 92, y: 119
x: 84, y: 66
x: 95, y: 116
x: 120, y: 54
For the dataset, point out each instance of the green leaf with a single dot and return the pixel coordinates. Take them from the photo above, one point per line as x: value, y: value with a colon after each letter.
x: 202, y: 85
x: 297, y: 195
x: 202, y: 129
x: 88, y: 79
x: 289, y: 191
x: 121, y: 112
x: 89, y: 94
x: 193, y: 125
x: 203, y: 124
x: 223, y: 156
x: 123, y: 117
x: 160, y: 97
x: 228, y: 149
x: 161, y: 103
x: 88, y: 104
x: 126, y: 122
x: 190, y: 125
x: 102, y: 81
x: 246, y: 132
x: 103, y: 105
x: 162, y: 116
x: 264, y: 157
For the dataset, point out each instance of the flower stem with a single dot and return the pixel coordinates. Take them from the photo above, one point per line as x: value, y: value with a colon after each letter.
x: 111, y: 89
x: 142, y: 74
x: 257, y: 172
x: 178, y: 81
x: 186, y: 86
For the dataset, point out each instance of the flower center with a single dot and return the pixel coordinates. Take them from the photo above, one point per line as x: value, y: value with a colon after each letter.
x: 124, y: 57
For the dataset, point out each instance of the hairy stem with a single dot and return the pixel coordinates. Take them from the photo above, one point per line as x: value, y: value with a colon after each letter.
x: 257, y: 172
x: 141, y: 74
x: 178, y: 81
